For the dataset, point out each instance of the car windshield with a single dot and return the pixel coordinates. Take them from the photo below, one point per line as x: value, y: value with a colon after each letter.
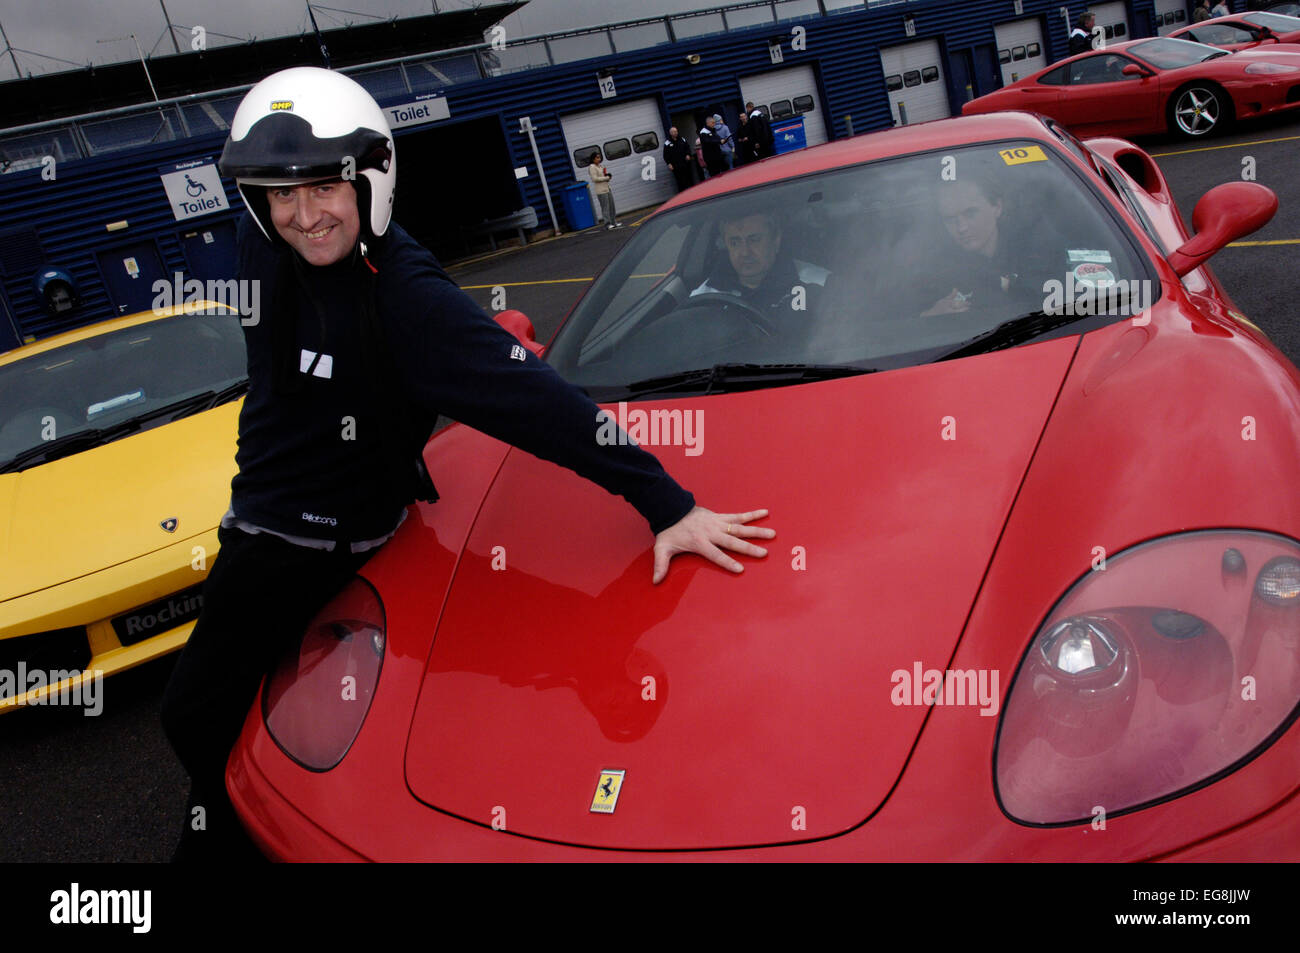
x: 880, y: 265
x: 108, y: 383
x: 1170, y: 53
x: 1274, y: 21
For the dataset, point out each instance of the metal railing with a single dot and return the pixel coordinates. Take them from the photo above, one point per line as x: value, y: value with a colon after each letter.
x: 181, y: 117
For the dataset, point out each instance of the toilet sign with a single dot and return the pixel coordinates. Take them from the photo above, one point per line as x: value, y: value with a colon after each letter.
x: 419, y: 110
x: 194, y: 188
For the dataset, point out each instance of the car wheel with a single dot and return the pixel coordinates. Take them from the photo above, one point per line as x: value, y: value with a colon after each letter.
x: 1196, y: 111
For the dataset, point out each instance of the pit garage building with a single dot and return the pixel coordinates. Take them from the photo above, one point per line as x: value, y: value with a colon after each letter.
x: 97, y: 206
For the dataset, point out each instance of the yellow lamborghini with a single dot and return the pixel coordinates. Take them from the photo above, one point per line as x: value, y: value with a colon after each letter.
x: 117, y: 447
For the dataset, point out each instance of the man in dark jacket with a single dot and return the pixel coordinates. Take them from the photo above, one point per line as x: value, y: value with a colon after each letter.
x: 1081, y: 35
x: 711, y: 147
x: 677, y: 155
x: 366, y: 340
x: 760, y: 132
x: 744, y: 141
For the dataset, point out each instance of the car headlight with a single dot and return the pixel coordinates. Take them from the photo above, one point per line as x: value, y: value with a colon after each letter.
x: 318, y: 696
x: 1269, y: 68
x: 1154, y: 676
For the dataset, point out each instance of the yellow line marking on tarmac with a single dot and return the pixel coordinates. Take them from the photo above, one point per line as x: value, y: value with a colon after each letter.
x: 520, y: 284
x: 1276, y: 241
x: 546, y: 281
x: 1231, y: 145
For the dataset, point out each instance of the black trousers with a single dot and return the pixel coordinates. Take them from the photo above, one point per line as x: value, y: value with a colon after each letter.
x: 258, y: 598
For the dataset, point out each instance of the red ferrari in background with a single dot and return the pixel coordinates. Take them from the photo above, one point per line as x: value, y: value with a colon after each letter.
x: 1037, y: 571
x: 1250, y: 29
x: 1142, y: 87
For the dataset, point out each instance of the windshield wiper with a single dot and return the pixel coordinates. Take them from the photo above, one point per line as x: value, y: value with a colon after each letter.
x: 85, y: 439
x: 1013, y: 332
x: 724, y: 378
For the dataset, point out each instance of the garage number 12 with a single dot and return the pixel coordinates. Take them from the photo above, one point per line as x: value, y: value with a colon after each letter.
x: 606, y: 84
x: 1025, y: 154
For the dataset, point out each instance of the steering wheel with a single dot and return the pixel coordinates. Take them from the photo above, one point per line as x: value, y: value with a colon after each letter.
x: 752, y: 311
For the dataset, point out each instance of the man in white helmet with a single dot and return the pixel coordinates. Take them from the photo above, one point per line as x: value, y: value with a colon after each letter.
x: 365, y: 341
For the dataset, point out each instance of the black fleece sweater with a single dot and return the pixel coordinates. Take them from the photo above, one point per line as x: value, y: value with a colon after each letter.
x: 315, y: 457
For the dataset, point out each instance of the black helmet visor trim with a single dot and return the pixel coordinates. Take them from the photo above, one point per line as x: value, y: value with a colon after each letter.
x: 282, y: 147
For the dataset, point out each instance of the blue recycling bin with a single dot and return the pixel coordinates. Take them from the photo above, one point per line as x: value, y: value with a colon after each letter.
x: 577, y: 206
x: 788, y: 135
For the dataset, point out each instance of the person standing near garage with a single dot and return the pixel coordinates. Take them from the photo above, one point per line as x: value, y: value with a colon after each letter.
x: 711, y: 148
x: 1081, y: 35
x: 725, y: 140
x: 677, y: 155
x: 365, y: 340
x: 744, y: 143
x: 760, y: 132
x: 600, y: 177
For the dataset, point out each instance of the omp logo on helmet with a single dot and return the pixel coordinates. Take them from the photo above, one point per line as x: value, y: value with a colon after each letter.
x: 281, y: 104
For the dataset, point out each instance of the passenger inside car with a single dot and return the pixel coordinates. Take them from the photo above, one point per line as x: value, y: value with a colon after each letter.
x: 985, y: 259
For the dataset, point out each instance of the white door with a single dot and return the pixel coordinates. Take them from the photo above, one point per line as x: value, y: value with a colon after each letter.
x: 1020, y: 49
x: 631, y: 138
x: 786, y: 93
x: 914, y: 82
x: 1113, y: 20
x: 1170, y: 16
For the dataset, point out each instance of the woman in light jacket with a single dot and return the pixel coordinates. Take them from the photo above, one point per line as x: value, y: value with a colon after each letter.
x: 600, y: 185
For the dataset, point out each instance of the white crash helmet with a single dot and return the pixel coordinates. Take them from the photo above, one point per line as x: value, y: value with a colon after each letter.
x: 302, y: 125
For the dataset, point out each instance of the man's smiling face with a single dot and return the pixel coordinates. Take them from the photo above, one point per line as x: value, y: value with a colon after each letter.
x: 318, y: 220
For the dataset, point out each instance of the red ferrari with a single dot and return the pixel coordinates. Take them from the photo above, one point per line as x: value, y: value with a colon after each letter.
x: 1243, y: 32
x: 1142, y: 87
x: 1036, y: 573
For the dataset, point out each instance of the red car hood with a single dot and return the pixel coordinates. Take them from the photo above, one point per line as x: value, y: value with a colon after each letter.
x: 744, y: 710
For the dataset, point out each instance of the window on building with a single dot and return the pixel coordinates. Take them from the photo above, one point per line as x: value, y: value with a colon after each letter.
x: 618, y: 149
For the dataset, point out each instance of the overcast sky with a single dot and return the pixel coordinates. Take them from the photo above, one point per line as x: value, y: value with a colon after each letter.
x: 70, y: 29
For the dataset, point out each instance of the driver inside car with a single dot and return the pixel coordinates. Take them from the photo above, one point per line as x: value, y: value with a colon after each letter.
x: 759, y: 272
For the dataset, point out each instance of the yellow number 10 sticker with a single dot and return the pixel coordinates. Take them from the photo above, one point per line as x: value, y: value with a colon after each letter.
x: 1022, y: 155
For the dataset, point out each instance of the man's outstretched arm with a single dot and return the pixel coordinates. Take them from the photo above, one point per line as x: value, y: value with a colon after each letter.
x: 455, y: 359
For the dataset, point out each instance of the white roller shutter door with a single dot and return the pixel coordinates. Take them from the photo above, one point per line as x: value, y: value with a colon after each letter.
x: 1020, y: 49
x: 614, y: 128
x: 788, y: 92
x: 1171, y: 15
x: 1113, y: 19
x: 914, y: 80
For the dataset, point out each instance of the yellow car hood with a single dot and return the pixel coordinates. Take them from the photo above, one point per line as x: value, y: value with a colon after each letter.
x: 104, y: 506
